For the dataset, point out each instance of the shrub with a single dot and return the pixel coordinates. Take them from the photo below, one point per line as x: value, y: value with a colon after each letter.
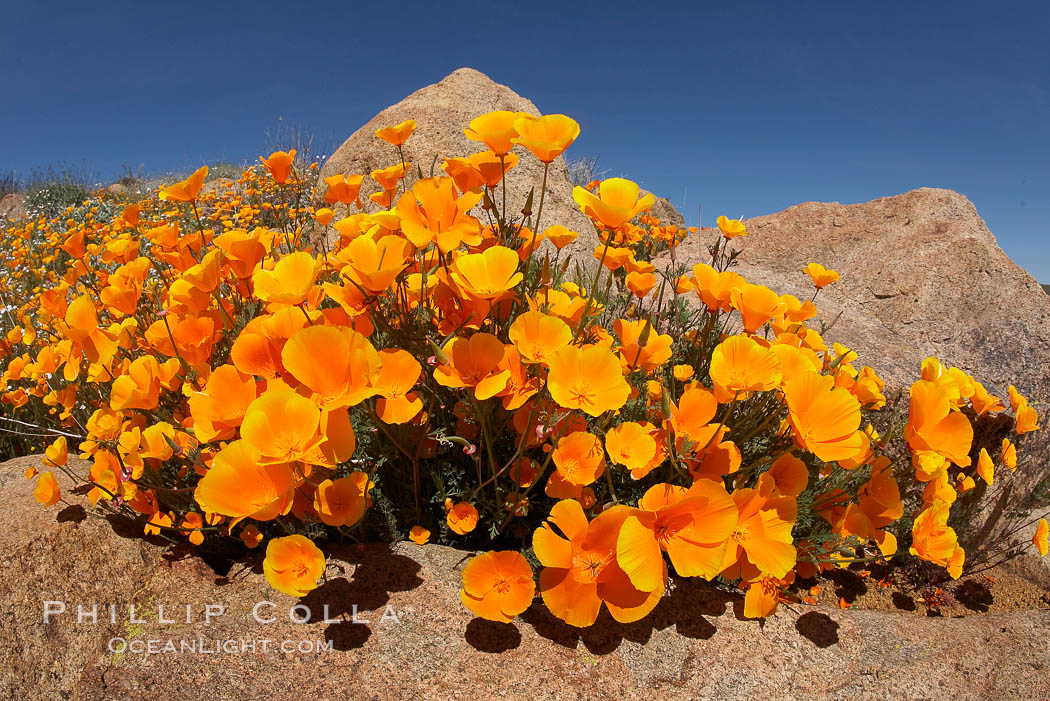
x: 244, y: 365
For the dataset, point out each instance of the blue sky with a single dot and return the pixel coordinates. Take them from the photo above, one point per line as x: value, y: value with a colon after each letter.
x: 746, y: 108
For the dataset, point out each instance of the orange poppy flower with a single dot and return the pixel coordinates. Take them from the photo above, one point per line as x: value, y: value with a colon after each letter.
x: 343, y: 188
x: 630, y: 444
x: 613, y: 257
x: 1040, y: 538
x: 757, y: 304
x: 795, y: 311
x: 343, y: 502
x: 290, y: 281
x: 324, y: 216
x: 691, y: 525
x: 731, y: 228
x: 474, y: 362
x: 388, y: 178
x: 985, y: 467
x: 432, y: 210
x: 398, y: 374
x: 57, y: 454
x: 520, y: 386
x: 46, y: 491
x: 741, y: 365
x: 491, y: 167
x: 466, y: 176
x: 790, y: 475
x: 825, y: 419
x: 580, y: 571
x: 256, y: 354
x: 879, y: 504
x: 186, y: 190
x: 282, y: 426
x: 337, y: 364
x: 587, y: 378
x: 1009, y: 454
x: 138, y: 387
x: 497, y: 586
x: 496, y: 130
x: 238, y: 486
x: 419, y: 535
x: 374, y: 265
x: 579, y: 458
x: 683, y: 373
x: 489, y: 274
x: 122, y: 294
x: 821, y: 276
x: 985, y: 403
x: 935, y: 541
x: 762, y: 533
x: 934, y: 428
x: 559, y: 236
x: 398, y: 134
x: 640, y: 284
x: 293, y: 564
x: 617, y: 203
x: 279, y: 164
x: 1027, y: 419
x: 1016, y: 398
x: 537, y: 336
x: 352, y: 226
x: 462, y: 518
x: 715, y: 289
x: 242, y: 251
x: 130, y: 214
x: 764, y: 594
x: 83, y: 330
x: 650, y: 355
x: 546, y: 137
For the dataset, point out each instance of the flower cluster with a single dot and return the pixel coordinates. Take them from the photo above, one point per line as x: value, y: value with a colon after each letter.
x: 257, y: 359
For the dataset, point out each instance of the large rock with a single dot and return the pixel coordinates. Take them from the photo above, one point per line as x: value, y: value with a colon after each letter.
x: 442, y: 111
x: 921, y: 276
x: 666, y: 212
x: 13, y: 207
x: 692, y: 646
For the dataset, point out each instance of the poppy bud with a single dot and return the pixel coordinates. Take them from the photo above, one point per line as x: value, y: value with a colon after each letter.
x: 439, y: 354
x: 643, y: 339
x: 527, y: 209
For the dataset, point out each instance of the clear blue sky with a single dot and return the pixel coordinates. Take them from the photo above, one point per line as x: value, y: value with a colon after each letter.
x: 745, y: 107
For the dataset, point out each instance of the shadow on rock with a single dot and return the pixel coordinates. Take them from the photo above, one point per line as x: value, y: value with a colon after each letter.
x: 363, y: 598
x: 819, y: 628
x: 903, y: 601
x: 491, y: 636
x: 848, y: 585
x: 974, y: 595
x: 133, y: 530
x: 73, y: 513
x: 347, y: 635
x: 686, y: 608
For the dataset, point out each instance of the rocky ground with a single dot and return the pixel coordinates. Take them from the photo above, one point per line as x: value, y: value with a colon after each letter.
x: 694, y: 645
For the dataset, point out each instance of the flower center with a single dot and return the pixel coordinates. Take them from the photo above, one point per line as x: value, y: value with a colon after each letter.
x: 581, y: 394
x: 741, y: 535
x: 502, y: 584
x: 587, y: 565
